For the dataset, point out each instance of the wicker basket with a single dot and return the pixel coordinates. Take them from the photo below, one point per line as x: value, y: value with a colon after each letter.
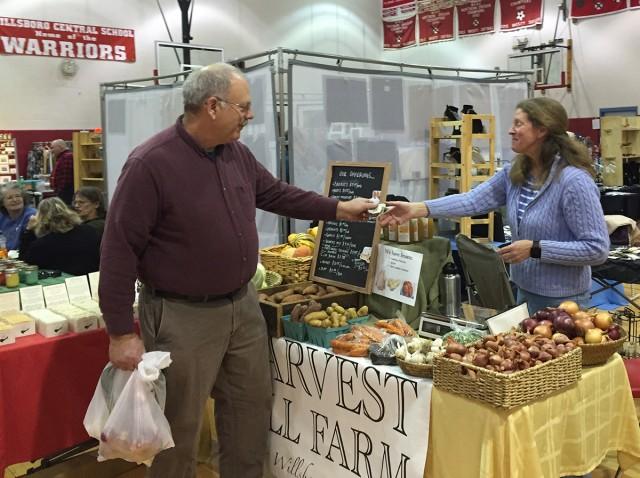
x: 507, y: 390
x: 292, y: 269
x: 416, y: 369
x: 595, y: 354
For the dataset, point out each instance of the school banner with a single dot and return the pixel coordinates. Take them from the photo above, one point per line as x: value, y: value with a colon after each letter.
x: 21, y: 36
x: 634, y: 3
x: 435, y: 20
x: 595, y: 8
x: 342, y: 416
x: 516, y: 14
x: 399, y: 23
x: 475, y: 17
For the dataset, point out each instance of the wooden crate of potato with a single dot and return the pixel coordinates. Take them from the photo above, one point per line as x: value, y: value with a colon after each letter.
x: 278, y: 301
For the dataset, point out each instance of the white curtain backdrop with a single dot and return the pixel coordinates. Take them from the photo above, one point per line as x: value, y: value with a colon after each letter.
x: 373, y: 116
x: 133, y: 116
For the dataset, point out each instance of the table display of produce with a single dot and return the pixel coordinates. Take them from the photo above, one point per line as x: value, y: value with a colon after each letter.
x: 595, y: 333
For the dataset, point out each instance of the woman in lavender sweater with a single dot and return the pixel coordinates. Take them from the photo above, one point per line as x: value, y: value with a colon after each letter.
x: 553, y: 207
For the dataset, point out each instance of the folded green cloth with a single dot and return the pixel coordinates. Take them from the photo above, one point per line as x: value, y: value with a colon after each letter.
x: 436, y: 253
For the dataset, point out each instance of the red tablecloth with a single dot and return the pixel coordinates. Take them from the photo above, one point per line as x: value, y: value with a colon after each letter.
x: 46, y: 385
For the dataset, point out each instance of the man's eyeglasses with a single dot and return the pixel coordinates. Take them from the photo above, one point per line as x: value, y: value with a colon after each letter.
x: 242, y: 108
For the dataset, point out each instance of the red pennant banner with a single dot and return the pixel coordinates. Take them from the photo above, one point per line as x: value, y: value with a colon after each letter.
x: 595, y: 8
x: 475, y: 16
x: 634, y: 3
x: 399, y: 33
x: 435, y: 21
x: 515, y: 14
x: 399, y: 23
x: 21, y: 36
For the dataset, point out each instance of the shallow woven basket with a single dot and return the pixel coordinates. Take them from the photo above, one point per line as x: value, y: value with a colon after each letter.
x: 595, y: 354
x: 292, y: 269
x: 507, y: 390
x: 423, y: 370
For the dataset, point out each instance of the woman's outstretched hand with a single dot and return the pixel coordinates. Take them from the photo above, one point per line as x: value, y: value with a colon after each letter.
x: 400, y: 212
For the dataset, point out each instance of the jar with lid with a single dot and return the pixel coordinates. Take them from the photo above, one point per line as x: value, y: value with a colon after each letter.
x: 12, y: 277
x: 30, y: 273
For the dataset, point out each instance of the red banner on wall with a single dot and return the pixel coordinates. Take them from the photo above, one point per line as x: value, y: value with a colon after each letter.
x: 634, y: 3
x: 595, y: 8
x: 516, y: 14
x: 20, y: 36
x: 475, y: 16
x: 399, y: 23
x: 435, y: 20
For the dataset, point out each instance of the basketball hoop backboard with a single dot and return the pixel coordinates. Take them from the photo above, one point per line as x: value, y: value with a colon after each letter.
x: 170, y: 57
x: 552, y: 66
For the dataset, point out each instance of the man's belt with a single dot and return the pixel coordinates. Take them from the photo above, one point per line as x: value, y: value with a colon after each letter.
x: 189, y: 298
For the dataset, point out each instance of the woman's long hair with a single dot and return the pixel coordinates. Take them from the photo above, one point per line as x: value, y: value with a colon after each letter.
x: 548, y: 113
x: 55, y: 216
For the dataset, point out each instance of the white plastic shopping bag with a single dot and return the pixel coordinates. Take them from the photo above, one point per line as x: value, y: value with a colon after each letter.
x: 134, y: 428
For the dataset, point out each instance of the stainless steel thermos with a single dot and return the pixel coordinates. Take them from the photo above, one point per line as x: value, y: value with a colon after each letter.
x: 452, y: 290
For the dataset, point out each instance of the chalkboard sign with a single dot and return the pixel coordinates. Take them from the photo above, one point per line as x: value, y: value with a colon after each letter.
x: 340, y: 244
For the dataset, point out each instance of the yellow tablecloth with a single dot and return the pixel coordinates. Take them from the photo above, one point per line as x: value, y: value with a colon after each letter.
x: 567, y: 433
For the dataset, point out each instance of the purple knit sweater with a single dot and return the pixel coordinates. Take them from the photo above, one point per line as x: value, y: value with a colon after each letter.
x: 566, y: 217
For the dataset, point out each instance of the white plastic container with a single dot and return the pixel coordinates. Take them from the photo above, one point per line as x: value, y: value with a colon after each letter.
x: 79, y: 320
x: 49, y: 324
x: 23, y: 323
x: 7, y: 334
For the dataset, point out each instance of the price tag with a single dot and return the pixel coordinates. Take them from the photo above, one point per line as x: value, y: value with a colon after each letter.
x: 78, y: 288
x: 55, y: 294
x: 9, y: 301
x: 32, y: 298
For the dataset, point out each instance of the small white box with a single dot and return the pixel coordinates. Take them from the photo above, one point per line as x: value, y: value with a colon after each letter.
x: 7, y: 334
x: 79, y: 320
x: 49, y: 324
x: 25, y: 325
x: 5, y: 179
x: 93, y: 307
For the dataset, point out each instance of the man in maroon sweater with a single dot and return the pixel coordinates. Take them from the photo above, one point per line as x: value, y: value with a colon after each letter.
x: 182, y: 220
x: 62, y: 175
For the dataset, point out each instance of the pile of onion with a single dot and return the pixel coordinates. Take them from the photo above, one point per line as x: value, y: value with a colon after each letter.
x: 510, y: 352
x: 576, y: 324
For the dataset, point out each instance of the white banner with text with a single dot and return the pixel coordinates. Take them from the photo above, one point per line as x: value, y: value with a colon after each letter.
x: 336, y: 416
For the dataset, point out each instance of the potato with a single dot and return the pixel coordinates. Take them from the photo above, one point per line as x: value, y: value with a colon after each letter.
x: 262, y: 297
x: 310, y: 289
x: 338, y: 308
x: 315, y: 323
x: 277, y: 297
x: 331, y: 289
x: 362, y: 311
x: 293, y: 298
x: 313, y: 307
x: 319, y: 315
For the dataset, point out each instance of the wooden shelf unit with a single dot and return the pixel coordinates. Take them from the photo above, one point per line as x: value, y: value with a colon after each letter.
x: 619, y: 143
x: 467, y: 174
x: 8, y: 158
x: 88, y: 168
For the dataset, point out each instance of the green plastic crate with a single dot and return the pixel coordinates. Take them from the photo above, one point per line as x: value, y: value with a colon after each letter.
x: 322, y: 336
x: 294, y: 330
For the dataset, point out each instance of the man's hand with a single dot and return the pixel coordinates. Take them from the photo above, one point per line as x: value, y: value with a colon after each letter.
x: 516, y: 252
x: 401, y: 212
x: 354, y: 210
x: 125, y: 351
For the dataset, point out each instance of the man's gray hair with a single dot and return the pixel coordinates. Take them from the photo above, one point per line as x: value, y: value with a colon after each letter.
x: 212, y: 80
x: 60, y: 142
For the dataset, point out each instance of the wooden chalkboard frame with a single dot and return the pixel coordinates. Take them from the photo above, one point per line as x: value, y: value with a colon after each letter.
x: 385, y: 167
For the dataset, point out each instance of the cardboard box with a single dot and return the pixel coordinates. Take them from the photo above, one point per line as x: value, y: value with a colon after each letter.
x: 49, y: 324
x: 92, y: 306
x: 273, y: 312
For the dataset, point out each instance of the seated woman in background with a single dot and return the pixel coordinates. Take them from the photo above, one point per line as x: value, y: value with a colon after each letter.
x: 15, y: 215
x: 56, y: 239
x: 89, y: 203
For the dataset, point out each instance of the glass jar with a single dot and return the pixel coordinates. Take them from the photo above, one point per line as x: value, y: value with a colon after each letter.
x: 12, y: 277
x: 2, y: 268
x: 30, y: 274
